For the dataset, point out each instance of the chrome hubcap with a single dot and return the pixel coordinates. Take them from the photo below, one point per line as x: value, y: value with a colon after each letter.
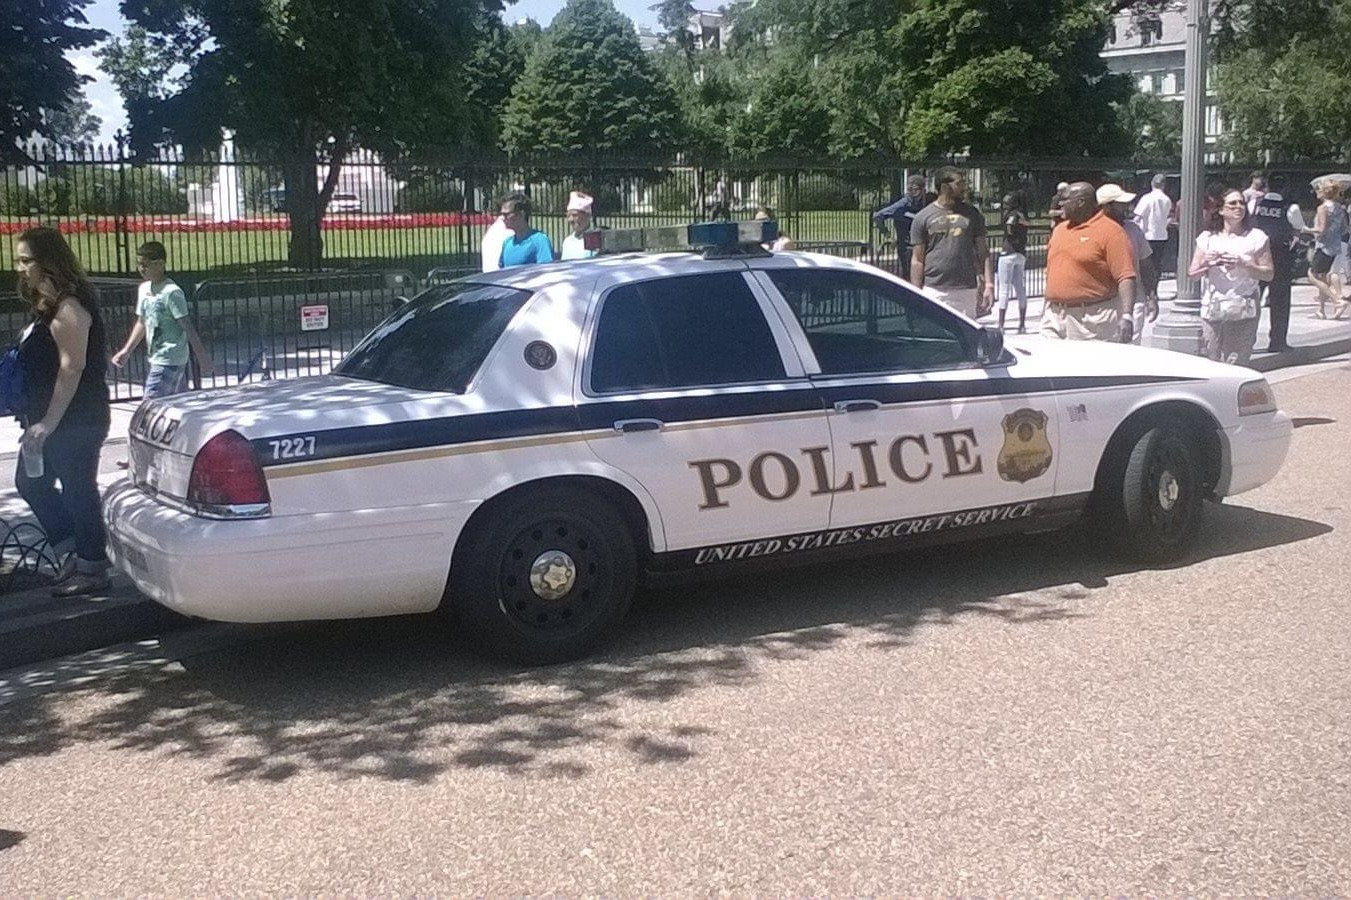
x: 552, y: 575
x: 1169, y: 491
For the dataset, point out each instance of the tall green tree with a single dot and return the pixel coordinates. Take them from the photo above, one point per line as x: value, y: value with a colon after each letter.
x: 497, y: 64
x: 308, y: 80
x: 588, y: 88
x: 674, y: 18
x: 1282, y: 86
x: 35, y: 75
x: 710, y: 96
x: 74, y: 123
x: 142, y: 67
x: 1155, y: 127
x: 784, y: 113
x: 925, y: 77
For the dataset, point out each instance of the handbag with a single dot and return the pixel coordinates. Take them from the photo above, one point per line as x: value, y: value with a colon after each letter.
x: 11, y: 383
x: 1228, y: 306
x: 1234, y: 304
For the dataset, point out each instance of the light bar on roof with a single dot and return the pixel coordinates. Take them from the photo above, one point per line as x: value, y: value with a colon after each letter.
x: 696, y: 236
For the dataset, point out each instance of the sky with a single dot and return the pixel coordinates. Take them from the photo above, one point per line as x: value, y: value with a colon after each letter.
x: 107, y: 105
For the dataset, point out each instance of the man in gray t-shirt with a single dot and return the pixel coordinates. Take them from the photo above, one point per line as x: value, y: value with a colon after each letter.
x: 951, y: 254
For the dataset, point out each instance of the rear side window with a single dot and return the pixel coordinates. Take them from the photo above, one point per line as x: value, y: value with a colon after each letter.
x: 857, y: 323
x: 689, y: 331
x: 438, y: 340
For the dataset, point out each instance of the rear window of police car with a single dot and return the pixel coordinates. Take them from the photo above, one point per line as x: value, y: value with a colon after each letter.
x: 438, y: 340
x: 680, y: 332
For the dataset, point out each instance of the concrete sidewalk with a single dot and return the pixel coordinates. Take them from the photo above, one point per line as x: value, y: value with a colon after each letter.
x: 34, y: 626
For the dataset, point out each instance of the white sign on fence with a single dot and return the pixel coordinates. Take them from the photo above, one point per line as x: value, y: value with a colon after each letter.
x: 314, y: 318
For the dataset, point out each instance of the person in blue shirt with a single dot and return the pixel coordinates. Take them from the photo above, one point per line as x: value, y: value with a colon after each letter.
x: 902, y: 216
x: 524, y: 245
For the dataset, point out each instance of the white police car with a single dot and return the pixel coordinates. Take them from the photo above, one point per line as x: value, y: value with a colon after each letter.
x: 520, y: 449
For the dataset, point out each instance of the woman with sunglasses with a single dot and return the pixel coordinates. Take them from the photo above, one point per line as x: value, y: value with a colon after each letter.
x: 1233, y: 258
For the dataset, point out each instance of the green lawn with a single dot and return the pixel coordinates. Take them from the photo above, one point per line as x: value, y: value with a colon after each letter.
x: 203, y: 254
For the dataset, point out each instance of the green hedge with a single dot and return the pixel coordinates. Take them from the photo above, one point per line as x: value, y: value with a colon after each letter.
x: 142, y: 191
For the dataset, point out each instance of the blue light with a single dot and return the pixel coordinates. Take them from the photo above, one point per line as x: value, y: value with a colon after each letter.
x: 713, y: 234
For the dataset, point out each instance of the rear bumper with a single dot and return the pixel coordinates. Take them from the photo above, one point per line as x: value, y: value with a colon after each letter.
x: 1254, y: 451
x: 285, y: 568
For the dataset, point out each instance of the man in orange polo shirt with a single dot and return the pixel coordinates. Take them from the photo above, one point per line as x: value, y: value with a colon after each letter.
x: 1090, y: 274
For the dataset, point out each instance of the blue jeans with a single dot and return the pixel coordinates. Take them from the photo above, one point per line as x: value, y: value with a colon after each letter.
x: 70, y: 456
x: 163, y: 380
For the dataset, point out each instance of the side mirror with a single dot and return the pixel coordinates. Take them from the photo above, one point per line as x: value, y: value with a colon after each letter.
x: 399, y: 301
x: 989, y: 345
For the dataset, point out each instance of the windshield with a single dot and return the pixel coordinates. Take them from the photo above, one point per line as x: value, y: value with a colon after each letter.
x: 438, y: 340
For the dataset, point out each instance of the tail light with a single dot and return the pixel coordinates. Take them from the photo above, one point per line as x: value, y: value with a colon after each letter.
x: 227, y: 480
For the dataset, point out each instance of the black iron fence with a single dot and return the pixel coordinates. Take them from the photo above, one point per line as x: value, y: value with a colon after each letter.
x: 229, y: 213
x: 394, y: 225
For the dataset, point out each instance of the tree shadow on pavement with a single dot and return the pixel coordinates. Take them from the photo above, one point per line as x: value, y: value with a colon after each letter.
x: 403, y: 700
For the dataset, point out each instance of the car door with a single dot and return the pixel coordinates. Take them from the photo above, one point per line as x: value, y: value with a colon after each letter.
x: 919, y: 429
x: 695, y: 392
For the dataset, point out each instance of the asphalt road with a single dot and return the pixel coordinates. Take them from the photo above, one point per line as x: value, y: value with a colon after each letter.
x: 1025, y: 716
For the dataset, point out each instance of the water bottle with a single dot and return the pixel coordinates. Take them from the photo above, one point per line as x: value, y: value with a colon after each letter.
x: 31, y: 451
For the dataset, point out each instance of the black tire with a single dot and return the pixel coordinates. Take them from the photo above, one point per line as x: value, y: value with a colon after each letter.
x: 1158, y: 495
x: 491, y: 594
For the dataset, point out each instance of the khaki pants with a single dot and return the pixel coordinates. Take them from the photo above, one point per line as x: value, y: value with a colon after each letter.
x: 1099, y: 321
x: 1229, y: 342
x: 963, y: 300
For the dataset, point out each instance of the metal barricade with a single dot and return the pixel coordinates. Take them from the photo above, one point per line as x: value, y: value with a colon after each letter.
x: 860, y: 250
x: 117, y: 308
x: 446, y: 274
x: 291, y: 324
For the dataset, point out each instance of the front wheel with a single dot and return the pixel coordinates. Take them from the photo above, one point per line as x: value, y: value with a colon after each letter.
x: 1159, y: 495
x: 546, y: 577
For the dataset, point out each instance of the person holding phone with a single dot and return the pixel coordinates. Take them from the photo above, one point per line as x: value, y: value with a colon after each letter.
x: 1233, y: 258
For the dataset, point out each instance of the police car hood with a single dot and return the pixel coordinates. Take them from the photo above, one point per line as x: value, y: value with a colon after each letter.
x: 1040, y: 357
x: 282, y: 407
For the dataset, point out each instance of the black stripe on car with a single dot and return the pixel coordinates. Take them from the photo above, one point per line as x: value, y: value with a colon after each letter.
x: 447, y: 431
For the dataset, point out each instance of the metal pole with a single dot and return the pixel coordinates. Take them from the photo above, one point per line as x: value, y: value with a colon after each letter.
x: 1181, y: 328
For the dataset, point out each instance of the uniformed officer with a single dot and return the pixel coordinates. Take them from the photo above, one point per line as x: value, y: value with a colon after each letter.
x: 1271, y: 213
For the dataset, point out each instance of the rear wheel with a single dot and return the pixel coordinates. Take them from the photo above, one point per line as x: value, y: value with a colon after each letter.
x: 545, y: 577
x: 1156, y: 499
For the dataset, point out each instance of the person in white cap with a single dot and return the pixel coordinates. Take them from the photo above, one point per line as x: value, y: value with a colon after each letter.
x: 1116, y: 203
x: 579, y: 220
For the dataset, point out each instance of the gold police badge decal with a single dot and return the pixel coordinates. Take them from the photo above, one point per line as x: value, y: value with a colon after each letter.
x: 1026, y: 453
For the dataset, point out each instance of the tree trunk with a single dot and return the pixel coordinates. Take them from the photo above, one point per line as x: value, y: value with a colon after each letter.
x: 308, y: 201
x: 302, y: 205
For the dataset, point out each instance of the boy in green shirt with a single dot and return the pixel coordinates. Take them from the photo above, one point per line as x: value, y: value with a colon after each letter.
x: 162, y: 319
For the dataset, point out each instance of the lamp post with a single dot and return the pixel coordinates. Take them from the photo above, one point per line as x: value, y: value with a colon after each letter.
x: 1181, y: 328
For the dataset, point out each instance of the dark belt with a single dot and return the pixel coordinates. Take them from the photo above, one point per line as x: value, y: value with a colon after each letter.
x: 1082, y: 304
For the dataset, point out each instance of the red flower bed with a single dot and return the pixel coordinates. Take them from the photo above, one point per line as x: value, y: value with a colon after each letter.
x: 183, y: 224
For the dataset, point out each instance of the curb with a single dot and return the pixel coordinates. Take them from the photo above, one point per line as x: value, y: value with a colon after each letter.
x: 1299, y: 356
x: 37, y: 627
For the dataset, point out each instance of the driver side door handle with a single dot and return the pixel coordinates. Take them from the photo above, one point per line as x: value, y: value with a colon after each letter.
x: 848, y: 406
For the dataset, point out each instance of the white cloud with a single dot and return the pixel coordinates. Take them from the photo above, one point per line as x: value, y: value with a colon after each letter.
x: 85, y: 63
